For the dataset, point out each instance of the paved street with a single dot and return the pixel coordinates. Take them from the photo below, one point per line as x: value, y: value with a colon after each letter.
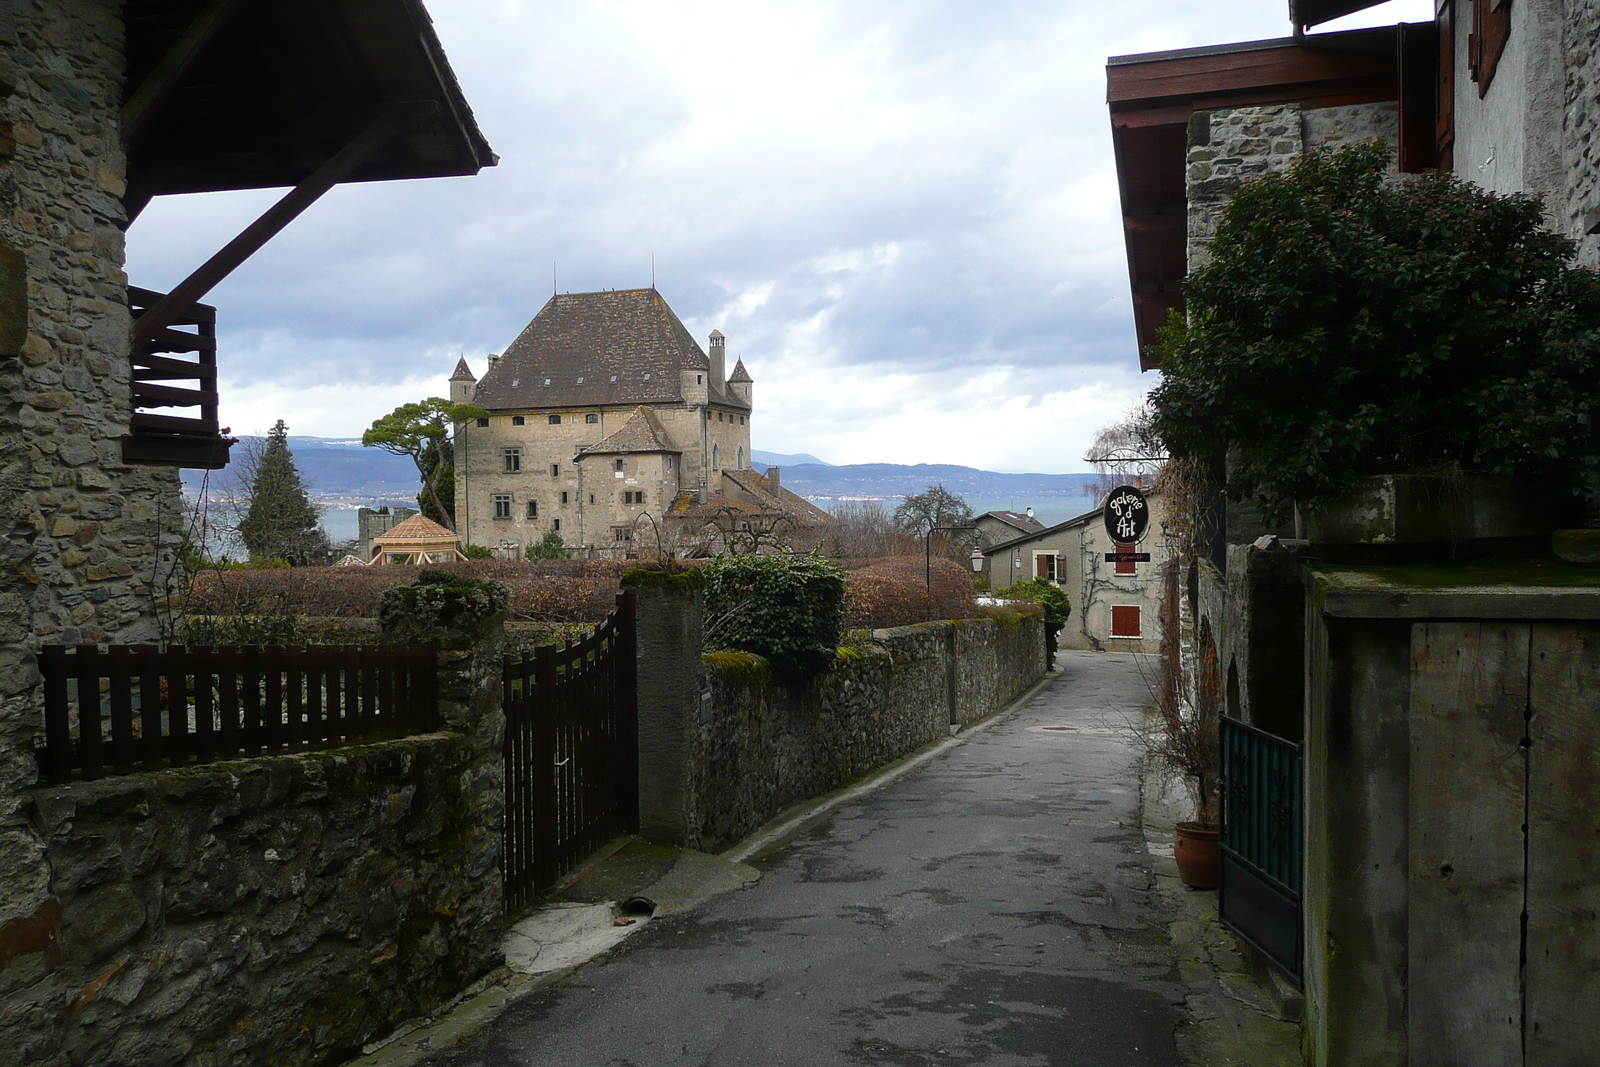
x: 995, y: 907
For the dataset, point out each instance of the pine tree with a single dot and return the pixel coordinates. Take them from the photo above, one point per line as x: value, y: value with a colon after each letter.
x: 280, y: 522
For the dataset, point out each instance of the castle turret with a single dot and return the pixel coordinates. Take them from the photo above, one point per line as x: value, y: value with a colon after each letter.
x: 719, y: 361
x: 739, y: 384
x: 463, y: 385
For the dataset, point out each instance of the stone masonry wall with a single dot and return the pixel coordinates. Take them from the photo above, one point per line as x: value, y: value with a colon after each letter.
x: 1581, y: 123
x: 757, y: 747
x: 88, y: 545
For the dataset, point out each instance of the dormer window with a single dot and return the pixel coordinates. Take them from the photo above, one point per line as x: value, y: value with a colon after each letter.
x: 647, y: 377
x: 580, y: 381
x: 547, y: 381
x: 613, y: 377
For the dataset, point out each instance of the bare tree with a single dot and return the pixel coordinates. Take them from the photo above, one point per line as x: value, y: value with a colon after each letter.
x: 863, y: 529
x: 750, y: 530
x: 1127, y: 450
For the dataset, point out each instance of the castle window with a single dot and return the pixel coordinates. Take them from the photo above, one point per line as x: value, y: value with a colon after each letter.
x: 555, y: 420
x: 563, y: 498
x: 619, y: 532
x: 518, y: 420
x: 741, y: 420
x: 502, y: 505
x: 555, y: 524
x: 592, y: 418
x: 698, y: 379
x: 533, y: 509
x: 591, y: 498
x: 618, y: 466
x: 512, y: 458
x: 633, y: 498
x: 719, y: 416
x: 555, y: 470
x: 741, y: 457
x: 716, y: 461
x: 483, y: 423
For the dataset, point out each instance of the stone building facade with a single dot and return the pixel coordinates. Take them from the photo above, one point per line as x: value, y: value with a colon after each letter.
x: 604, y: 409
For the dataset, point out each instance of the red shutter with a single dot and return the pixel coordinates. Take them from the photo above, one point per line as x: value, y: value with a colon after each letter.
x: 1128, y: 567
x: 1124, y: 621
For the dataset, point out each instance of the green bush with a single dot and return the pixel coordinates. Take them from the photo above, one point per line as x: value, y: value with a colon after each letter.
x: 1056, y: 607
x: 477, y: 552
x: 788, y: 609
x: 551, y: 546
x: 1349, y: 324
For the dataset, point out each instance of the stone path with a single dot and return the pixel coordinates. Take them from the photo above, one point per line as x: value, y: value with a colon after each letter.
x: 995, y: 906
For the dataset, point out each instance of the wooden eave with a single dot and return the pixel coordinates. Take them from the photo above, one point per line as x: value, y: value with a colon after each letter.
x: 1152, y: 99
x: 280, y: 87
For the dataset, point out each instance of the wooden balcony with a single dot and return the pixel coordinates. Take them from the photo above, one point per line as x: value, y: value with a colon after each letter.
x: 156, y: 439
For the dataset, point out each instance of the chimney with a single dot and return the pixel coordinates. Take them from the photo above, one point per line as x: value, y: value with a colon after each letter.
x: 772, y: 477
x: 719, y: 363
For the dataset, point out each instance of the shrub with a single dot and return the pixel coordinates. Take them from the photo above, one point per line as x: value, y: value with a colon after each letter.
x: 1056, y: 607
x: 788, y: 609
x: 895, y: 591
x: 1349, y: 324
x: 477, y: 552
x: 550, y: 546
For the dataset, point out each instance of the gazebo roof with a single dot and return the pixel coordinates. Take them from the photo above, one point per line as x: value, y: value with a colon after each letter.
x: 417, y: 530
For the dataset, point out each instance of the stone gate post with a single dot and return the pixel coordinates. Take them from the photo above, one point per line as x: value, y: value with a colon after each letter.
x: 670, y: 623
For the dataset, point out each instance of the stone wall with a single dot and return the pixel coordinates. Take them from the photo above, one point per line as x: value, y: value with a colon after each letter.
x: 1582, y: 126
x: 279, y: 910
x: 757, y: 747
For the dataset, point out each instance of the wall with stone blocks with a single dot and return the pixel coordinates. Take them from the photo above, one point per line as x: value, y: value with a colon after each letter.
x: 275, y: 911
x: 756, y: 746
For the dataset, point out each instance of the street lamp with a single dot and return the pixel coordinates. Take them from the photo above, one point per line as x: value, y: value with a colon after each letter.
x: 977, y: 560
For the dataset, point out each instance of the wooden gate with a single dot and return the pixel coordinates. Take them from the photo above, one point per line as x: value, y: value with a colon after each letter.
x: 571, y: 753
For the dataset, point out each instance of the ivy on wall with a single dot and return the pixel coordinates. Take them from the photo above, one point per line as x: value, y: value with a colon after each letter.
x: 788, y: 609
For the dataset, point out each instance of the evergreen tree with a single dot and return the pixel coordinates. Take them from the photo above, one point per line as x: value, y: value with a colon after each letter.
x: 280, y: 522
x: 439, y: 466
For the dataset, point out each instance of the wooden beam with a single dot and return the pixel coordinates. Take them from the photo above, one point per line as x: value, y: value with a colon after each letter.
x: 187, y: 292
x: 155, y: 89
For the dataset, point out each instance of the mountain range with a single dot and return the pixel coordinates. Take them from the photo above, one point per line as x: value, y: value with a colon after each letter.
x: 341, y: 472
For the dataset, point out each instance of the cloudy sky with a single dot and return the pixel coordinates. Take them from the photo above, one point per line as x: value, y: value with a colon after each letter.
x: 903, y: 215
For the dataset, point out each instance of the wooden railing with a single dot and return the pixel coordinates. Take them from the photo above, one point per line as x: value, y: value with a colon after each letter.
x: 137, y: 708
x: 158, y: 439
x: 571, y: 753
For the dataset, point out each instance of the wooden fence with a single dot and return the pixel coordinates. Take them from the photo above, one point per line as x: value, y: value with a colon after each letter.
x: 571, y: 753
x: 136, y: 708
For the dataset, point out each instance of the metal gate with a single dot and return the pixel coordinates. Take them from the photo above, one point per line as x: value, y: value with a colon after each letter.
x: 1262, y: 841
x: 571, y: 753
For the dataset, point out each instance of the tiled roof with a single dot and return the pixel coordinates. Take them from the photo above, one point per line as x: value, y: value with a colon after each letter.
x: 416, y: 528
x: 463, y: 372
x: 621, y: 347
x: 642, y: 432
x: 1022, y: 523
x: 739, y: 373
x: 777, y: 497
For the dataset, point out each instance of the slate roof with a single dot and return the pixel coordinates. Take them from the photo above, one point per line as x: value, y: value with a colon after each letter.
x: 463, y: 372
x: 620, y: 347
x: 642, y: 432
x: 1020, y: 522
x: 739, y: 373
x: 777, y: 497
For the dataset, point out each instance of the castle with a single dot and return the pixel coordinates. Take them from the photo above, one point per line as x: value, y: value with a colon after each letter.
x: 603, y: 409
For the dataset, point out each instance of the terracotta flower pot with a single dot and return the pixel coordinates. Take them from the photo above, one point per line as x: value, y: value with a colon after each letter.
x: 1196, y: 847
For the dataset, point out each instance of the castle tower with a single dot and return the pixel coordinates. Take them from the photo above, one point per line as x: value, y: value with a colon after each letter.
x: 463, y: 384
x: 739, y: 384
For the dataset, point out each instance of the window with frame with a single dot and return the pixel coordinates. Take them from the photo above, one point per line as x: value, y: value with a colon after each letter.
x: 1125, y: 620
x: 617, y: 465
x: 502, y: 505
x: 620, y: 533
x: 591, y: 498
x: 1126, y: 567
x: 593, y: 418
x: 533, y: 509
x: 555, y: 524
x: 555, y: 420
x: 512, y: 458
x: 633, y: 498
x: 518, y: 420
x: 483, y: 423
x: 1044, y: 566
x: 563, y: 498
x: 555, y: 470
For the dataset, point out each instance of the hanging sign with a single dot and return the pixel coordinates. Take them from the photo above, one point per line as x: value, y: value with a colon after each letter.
x: 1127, y: 518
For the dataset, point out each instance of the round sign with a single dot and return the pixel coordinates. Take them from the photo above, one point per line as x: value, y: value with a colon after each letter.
x: 1127, y: 515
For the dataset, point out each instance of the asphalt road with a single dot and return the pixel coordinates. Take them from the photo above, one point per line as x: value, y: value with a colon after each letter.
x: 994, y: 907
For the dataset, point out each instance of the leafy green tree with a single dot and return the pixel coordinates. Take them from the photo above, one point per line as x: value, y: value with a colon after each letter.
x: 1350, y: 324
x: 280, y: 522
x: 938, y: 506
x: 422, y: 432
x: 551, y: 546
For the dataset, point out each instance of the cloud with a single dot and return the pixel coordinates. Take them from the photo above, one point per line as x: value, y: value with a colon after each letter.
x: 903, y: 215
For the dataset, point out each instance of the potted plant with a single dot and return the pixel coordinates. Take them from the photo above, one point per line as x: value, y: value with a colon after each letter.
x: 1351, y: 326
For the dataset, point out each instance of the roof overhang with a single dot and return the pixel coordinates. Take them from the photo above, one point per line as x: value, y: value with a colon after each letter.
x: 1152, y: 98
x: 1305, y: 13
x: 257, y: 95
